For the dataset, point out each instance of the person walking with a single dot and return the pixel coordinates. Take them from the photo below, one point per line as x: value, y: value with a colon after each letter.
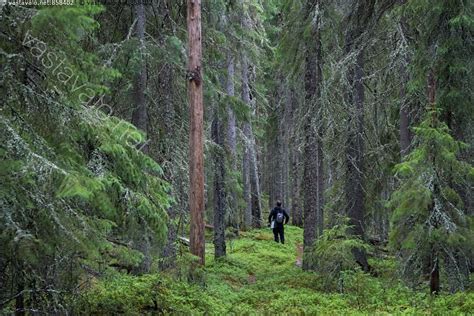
x: 277, y: 219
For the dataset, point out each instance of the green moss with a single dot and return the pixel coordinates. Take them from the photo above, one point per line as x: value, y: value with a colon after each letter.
x: 259, y: 276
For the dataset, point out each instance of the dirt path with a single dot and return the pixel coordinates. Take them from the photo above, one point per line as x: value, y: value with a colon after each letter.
x: 299, y: 255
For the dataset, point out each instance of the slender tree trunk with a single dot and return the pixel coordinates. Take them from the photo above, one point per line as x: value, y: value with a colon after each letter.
x: 355, y: 156
x: 219, y: 188
x: 196, y: 107
x: 246, y: 183
x: 20, y: 299
x: 434, y: 278
x: 270, y: 175
x: 234, y: 218
x: 139, y: 114
x: 434, y: 266
x: 405, y: 135
x: 250, y: 157
x: 280, y: 155
x: 295, y: 174
x: 255, y: 187
x: 313, y: 165
x: 167, y: 93
x: 295, y: 192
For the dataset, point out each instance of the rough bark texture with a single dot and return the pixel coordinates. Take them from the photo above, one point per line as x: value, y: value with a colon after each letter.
x: 234, y: 218
x: 139, y: 114
x: 246, y: 182
x: 313, y: 165
x: 250, y: 155
x: 196, y: 107
x: 355, y: 157
x: 295, y: 170
x: 296, y: 213
x: 219, y: 188
x: 255, y: 188
x: 279, y: 157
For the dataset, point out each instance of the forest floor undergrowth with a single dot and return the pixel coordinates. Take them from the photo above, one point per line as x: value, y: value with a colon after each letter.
x: 259, y: 276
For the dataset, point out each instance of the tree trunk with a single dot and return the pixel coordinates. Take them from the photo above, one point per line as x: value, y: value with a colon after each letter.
x: 139, y: 114
x: 196, y: 108
x: 165, y: 85
x: 313, y: 165
x: 296, y: 214
x: 219, y: 188
x: 255, y: 187
x: 234, y: 218
x: 246, y: 183
x: 140, y: 118
x: 355, y: 156
x: 20, y: 299
x: 279, y: 156
x: 250, y: 157
x: 295, y: 174
x: 405, y: 135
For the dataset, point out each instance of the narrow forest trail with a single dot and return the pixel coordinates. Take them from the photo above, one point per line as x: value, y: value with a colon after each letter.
x: 261, y: 275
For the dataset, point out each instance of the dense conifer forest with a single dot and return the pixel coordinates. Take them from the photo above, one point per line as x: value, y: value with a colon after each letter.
x: 146, y: 144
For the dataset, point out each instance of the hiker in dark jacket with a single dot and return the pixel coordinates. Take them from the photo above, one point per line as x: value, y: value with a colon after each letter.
x: 280, y: 217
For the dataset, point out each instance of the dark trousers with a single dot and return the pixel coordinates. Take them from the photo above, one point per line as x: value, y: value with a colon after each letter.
x: 279, y: 231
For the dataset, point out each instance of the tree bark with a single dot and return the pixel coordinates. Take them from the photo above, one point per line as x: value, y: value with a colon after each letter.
x: 405, y: 135
x: 219, y: 188
x: 139, y: 114
x: 196, y: 107
x: 355, y: 156
x: 294, y: 172
x: 313, y: 165
x: 434, y: 264
x: 234, y: 218
x: 253, y: 199
x: 295, y: 191
x: 361, y: 22
x: 246, y: 183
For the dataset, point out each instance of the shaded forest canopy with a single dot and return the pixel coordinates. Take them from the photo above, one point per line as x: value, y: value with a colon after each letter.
x: 145, y: 143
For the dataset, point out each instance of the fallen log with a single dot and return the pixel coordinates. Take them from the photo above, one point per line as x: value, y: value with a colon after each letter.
x: 183, y: 240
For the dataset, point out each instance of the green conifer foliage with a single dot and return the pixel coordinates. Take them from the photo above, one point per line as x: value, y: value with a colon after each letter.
x: 429, y: 224
x: 77, y: 195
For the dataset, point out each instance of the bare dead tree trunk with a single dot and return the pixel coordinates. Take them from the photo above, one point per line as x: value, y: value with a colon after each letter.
x: 313, y: 165
x: 219, y: 188
x: 196, y: 108
x: 139, y: 114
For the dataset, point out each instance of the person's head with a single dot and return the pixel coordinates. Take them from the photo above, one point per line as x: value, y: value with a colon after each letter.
x: 279, y: 203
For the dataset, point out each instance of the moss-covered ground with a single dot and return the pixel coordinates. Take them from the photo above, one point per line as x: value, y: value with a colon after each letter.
x: 260, y: 277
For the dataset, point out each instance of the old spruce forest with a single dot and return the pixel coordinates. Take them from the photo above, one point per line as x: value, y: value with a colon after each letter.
x: 145, y: 142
